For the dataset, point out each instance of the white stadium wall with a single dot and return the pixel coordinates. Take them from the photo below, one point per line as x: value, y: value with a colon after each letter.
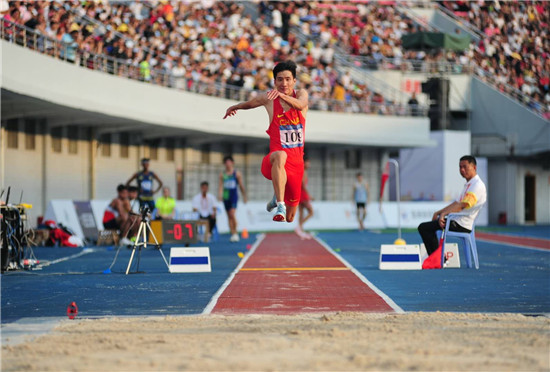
x: 32, y: 74
x: 253, y: 217
x: 432, y: 173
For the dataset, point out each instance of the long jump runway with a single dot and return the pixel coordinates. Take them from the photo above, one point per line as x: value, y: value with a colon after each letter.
x: 284, y: 274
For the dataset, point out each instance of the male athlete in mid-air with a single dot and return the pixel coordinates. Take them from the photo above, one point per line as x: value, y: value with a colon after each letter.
x: 284, y: 165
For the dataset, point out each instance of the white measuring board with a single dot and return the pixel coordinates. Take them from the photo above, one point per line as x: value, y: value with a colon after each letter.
x: 189, y: 260
x: 400, y: 257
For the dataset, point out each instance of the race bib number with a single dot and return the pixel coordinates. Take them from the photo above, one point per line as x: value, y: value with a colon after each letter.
x: 292, y: 136
x: 146, y: 185
x: 230, y: 184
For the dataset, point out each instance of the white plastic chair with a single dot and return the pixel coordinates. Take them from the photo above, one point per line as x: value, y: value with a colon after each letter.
x: 468, y: 239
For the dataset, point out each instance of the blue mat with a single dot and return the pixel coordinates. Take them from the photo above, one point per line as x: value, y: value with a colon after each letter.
x: 509, y: 279
x: 48, y: 292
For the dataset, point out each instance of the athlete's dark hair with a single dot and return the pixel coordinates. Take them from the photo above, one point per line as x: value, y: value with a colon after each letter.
x: 132, y: 189
x: 121, y: 187
x: 470, y: 159
x: 285, y: 66
x: 204, y: 183
x: 228, y: 157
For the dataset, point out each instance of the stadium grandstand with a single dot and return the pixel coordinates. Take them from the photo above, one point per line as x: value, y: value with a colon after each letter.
x: 89, y: 88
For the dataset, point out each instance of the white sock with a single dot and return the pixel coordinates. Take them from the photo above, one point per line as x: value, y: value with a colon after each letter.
x: 281, y: 203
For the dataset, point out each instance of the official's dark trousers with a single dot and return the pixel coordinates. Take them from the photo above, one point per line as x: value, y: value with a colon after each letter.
x: 211, y: 222
x: 428, y: 232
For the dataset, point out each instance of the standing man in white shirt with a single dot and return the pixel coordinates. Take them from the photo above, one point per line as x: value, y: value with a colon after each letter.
x: 472, y: 197
x: 205, y: 204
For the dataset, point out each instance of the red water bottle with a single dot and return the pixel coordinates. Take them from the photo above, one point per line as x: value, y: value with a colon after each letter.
x: 72, y: 310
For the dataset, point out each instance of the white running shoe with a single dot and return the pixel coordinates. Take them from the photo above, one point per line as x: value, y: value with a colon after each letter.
x: 272, y: 204
x: 126, y: 241
x: 234, y: 238
x: 280, y: 215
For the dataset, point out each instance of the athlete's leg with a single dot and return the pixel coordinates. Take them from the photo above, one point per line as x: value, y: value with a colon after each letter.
x: 291, y: 213
x: 278, y: 174
x: 232, y: 220
x: 293, y: 188
x: 300, y: 216
x: 360, y: 210
x: 305, y: 206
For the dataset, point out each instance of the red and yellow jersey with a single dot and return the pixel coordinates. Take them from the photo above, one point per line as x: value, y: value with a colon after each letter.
x: 287, y: 130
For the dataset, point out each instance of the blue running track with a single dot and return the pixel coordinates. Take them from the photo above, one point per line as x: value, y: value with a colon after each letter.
x: 510, y: 279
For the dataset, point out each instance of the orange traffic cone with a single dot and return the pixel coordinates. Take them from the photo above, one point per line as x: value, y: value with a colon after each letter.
x: 244, y: 234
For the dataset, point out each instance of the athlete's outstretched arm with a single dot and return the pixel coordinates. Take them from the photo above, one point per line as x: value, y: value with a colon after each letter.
x: 134, y: 176
x: 299, y: 103
x: 159, y: 182
x: 257, y: 101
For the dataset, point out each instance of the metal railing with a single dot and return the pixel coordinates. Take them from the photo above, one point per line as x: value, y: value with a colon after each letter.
x: 71, y: 53
x: 413, y: 65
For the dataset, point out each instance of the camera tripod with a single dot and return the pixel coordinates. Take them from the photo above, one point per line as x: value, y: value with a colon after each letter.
x: 144, y: 227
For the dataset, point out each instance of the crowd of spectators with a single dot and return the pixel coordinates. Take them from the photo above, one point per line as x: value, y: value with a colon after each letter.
x: 515, y: 48
x: 513, y: 54
x: 208, y: 46
x: 217, y: 48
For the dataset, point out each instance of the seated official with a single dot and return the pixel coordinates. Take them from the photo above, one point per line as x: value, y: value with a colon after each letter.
x: 205, y: 204
x: 165, y: 205
x: 473, y: 194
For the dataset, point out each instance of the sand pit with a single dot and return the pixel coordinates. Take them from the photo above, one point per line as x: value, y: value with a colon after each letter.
x: 343, y: 341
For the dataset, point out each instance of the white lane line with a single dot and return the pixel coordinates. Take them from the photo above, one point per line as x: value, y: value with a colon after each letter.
x: 48, y: 263
x: 384, y: 296
x: 214, y: 300
x: 515, y: 245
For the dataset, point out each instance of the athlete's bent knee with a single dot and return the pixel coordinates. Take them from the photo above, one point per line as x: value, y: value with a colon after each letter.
x: 278, y: 158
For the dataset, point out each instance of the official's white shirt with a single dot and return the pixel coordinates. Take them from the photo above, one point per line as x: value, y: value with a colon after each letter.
x: 474, y: 194
x: 205, y: 205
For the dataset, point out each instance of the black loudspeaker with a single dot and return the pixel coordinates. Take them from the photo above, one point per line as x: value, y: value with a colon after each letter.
x: 438, y: 91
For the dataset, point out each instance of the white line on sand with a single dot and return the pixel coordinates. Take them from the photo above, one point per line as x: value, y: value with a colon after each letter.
x: 27, y: 329
x: 214, y: 300
x: 384, y: 296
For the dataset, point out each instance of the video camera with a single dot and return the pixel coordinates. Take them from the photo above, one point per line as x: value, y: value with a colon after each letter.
x: 144, y: 211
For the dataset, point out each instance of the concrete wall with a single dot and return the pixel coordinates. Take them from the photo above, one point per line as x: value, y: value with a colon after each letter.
x: 432, y: 172
x: 459, y: 91
x: 43, y: 174
x: 507, y: 191
x: 501, y: 126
